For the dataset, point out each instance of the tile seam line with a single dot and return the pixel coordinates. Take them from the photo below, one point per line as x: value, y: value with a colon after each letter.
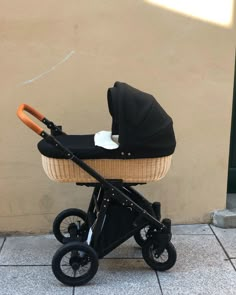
x: 105, y: 258
x: 130, y: 258
x: 25, y: 265
x: 226, y: 253
x: 192, y: 234
x: 47, y: 265
x: 4, y: 240
x: 159, y: 282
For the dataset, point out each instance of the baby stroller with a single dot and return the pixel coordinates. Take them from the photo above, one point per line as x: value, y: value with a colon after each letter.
x: 136, y: 151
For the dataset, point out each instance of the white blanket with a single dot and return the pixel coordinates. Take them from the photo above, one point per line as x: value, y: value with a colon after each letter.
x: 106, y: 140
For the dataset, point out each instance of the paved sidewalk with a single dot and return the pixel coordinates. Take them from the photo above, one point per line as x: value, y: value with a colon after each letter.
x: 206, y: 264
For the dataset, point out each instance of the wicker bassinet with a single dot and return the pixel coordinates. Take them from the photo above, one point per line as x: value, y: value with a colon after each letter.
x: 145, y: 133
x: 130, y: 171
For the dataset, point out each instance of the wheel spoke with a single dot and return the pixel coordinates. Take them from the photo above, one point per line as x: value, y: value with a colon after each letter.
x: 76, y: 219
x: 162, y: 259
x: 67, y: 271
x: 71, y: 219
x: 66, y: 221
x: 66, y: 268
x: 65, y: 262
x: 64, y: 230
x: 64, y: 227
x: 72, y: 272
x: 84, y: 269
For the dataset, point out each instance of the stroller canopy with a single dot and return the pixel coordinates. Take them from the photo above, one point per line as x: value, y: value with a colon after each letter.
x: 144, y: 128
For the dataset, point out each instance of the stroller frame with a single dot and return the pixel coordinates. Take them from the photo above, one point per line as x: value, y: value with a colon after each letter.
x: 100, y: 202
x: 137, y: 213
x: 106, y: 191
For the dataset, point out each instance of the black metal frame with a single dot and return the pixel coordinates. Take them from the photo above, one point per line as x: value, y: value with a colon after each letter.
x: 107, y: 192
x: 101, y: 202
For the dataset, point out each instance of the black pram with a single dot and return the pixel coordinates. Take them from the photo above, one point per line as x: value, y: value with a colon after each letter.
x: 137, y: 150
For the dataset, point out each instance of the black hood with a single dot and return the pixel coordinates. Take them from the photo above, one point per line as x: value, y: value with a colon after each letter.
x: 142, y: 124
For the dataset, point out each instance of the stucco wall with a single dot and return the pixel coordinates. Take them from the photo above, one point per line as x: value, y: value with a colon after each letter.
x: 60, y: 57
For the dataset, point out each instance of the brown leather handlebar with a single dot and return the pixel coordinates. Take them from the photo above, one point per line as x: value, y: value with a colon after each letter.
x: 27, y: 121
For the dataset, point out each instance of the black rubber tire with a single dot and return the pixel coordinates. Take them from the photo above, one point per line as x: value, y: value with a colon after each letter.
x: 62, y: 216
x: 89, y: 253
x: 140, y: 236
x: 150, y: 246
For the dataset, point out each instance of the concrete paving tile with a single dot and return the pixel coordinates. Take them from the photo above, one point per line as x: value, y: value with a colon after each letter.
x: 227, y: 238
x: 199, y: 253
x: 129, y: 249
x: 25, y: 280
x: 191, y: 229
x: 198, y: 282
x: 120, y: 276
x: 192, y: 251
x: 234, y: 262
x: 29, y: 250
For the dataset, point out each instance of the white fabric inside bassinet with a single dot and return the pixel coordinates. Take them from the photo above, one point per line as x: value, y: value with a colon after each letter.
x: 106, y: 140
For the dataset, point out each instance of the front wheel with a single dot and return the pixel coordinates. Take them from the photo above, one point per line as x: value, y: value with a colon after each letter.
x: 75, y: 263
x: 156, y: 258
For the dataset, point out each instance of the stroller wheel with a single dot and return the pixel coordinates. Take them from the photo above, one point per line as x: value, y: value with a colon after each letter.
x: 69, y: 225
x: 75, y: 263
x: 158, y: 259
x: 141, y: 236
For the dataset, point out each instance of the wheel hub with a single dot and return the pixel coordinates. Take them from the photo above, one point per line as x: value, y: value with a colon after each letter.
x: 72, y: 230
x: 75, y: 266
x: 75, y: 262
x: 156, y: 255
x: 156, y: 251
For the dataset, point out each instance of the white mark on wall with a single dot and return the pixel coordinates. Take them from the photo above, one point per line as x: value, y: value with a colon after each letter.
x: 49, y: 70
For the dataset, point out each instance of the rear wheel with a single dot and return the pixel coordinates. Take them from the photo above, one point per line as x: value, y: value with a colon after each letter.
x: 69, y: 225
x: 75, y: 263
x: 157, y: 258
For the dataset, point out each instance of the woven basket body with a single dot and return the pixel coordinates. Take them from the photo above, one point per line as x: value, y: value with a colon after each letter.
x: 132, y: 171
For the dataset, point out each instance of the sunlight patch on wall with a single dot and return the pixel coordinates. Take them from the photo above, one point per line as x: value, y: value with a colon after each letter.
x: 219, y: 12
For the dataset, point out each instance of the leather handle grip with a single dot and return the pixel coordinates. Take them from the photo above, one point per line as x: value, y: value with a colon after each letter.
x: 27, y: 121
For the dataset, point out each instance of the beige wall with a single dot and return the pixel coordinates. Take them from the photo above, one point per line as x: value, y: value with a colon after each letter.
x: 75, y: 50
